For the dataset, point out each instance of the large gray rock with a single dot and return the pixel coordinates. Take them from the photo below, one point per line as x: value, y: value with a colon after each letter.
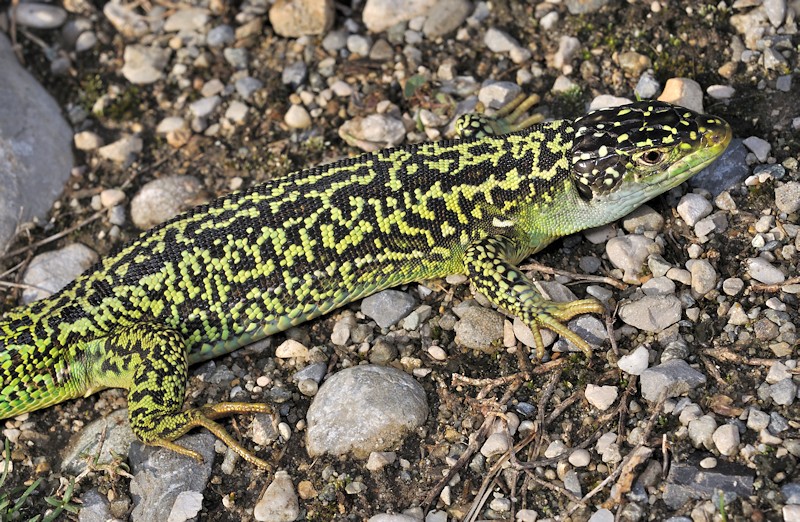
x: 35, y: 146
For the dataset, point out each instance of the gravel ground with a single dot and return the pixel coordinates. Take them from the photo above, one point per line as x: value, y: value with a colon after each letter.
x: 422, y: 403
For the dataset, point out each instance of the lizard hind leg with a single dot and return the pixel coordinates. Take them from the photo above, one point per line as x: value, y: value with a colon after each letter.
x: 155, y: 359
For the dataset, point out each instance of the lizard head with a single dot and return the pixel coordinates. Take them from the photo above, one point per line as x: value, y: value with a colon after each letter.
x: 624, y: 156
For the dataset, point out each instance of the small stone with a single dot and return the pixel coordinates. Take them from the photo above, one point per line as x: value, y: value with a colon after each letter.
x: 635, y: 362
x: 189, y: 19
x: 203, y: 107
x: 759, y: 147
x: 724, y: 201
x: 684, y: 92
x: 501, y: 42
x: 380, y: 459
x: 87, y: 140
x: 670, y: 379
x: 633, y: 63
x: 784, y: 392
x: 388, y: 307
x: 123, y: 150
x: 294, y: 74
x: 643, y: 219
x: 784, y: 83
x: 39, y: 16
x: 297, y: 117
x: 495, y: 444
x: 363, y: 409
x: 479, y: 328
x: 237, y: 57
x: 567, y: 47
x: 495, y: 95
x: 295, y: 18
x: 787, y: 197
x: 236, y: 112
x: 554, y: 449
x: 163, y: 199
x: 170, y: 124
x: 290, y: 348
x: 247, y: 86
x: 726, y: 439
x: 279, y: 502
x: 630, y: 254
x: 701, y: 431
x: 374, y: 132
x: 144, y: 64
x: 111, y: 197
x: 704, y: 277
x: 761, y: 270
x: 651, y: 313
x: 563, y: 84
x: 220, y: 36
x: 601, y: 397
x: 776, y: 11
x: 693, y: 207
x: 580, y: 458
x: 721, y: 92
x: 86, y: 41
x: 647, y: 86
x: 49, y: 272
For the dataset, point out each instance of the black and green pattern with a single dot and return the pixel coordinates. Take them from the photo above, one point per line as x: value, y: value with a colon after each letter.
x: 257, y: 262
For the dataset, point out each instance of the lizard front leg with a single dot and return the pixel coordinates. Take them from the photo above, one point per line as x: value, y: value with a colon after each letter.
x: 489, y: 267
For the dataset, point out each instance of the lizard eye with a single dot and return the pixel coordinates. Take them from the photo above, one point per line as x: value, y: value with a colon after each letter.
x: 651, y: 157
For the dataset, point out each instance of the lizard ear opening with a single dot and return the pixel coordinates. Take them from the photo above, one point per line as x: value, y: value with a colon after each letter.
x: 596, y: 175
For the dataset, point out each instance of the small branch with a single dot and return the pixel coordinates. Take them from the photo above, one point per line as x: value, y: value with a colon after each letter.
x: 533, y: 265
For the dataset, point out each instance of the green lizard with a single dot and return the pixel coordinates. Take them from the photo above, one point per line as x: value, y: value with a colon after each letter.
x: 257, y: 262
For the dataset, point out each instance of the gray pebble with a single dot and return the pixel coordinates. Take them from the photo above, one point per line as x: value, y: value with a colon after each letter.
x: 294, y: 74
x: 762, y: 271
x: 721, y: 92
x: 659, y: 286
x: 590, y: 264
x: 647, y: 86
x: 567, y: 47
x: 701, y: 431
x: 363, y: 409
x: 315, y: 372
x: 669, y: 379
x: 500, y: 42
x: 784, y: 83
x: 629, y: 253
x: 388, y: 307
x: 783, y: 392
x: 163, y: 199
x: 643, y: 219
x: 757, y: 420
x: 247, y: 86
x: 220, y: 36
x: 237, y: 57
x: 693, y: 207
x: 279, y: 501
x: 85, y: 41
x: 787, y: 197
x: 704, y: 277
x: 115, y: 433
x: 297, y: 117
x: 776, y: 11
x: 123, y: 151
x: 495, y: 95
x: 144, y: 64
x: 203, y: 107
x: 446, y: 16
x: 726, y: 439
x: 358, y: 44
x: 39, y: 16
x: 479, y: 328
x: 732, y: 286
x: 189, y: 19
x: 759, y: 147
x: 601, y: 397
x: 335, y: 40
x: 374, y: 132
x: 635, y: 362
x: 87, y: 140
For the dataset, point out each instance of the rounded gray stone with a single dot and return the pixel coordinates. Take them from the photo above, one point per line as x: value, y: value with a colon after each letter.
x: 51, y: 271
x: 387, y: 307
x: 364, y: 409
x: 163, y: 199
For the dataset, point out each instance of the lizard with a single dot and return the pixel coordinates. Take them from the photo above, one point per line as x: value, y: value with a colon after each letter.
x: 259, y: 261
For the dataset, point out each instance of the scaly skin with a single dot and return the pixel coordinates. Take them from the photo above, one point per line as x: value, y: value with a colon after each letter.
x: 257, y: 262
